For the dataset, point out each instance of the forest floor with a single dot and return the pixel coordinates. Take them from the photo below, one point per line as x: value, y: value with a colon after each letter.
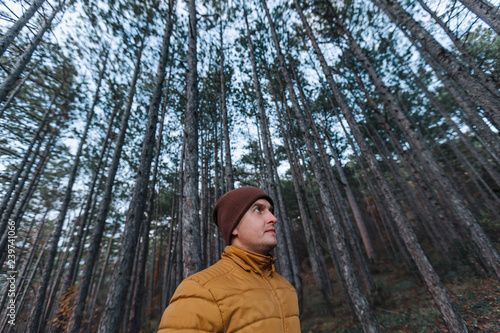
x: 403, y: 304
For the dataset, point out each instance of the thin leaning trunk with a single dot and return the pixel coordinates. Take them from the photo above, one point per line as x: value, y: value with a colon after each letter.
x: 5, y: 208
x: 68, y: 281
x: 337, y: 199
x: 13, y: 31
x: 317, y: 261
x: 134, y: 320
x: 18, y: 87
x: 41, y: 296
x: 119, y: 282
x: 227, y: 145
x: 8, y: 84
x: 363, y: 231
x: 93, y: 250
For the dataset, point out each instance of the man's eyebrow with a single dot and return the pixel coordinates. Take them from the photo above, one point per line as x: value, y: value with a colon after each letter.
x: 260, y: 205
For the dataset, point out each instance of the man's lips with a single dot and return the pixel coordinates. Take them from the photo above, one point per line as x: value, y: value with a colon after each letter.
x: 271, y: 230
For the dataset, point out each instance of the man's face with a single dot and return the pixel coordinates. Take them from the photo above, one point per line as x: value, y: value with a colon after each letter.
x: 256, y: 231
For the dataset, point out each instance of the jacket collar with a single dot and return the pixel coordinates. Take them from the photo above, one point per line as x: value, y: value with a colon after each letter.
x: 250, y: 261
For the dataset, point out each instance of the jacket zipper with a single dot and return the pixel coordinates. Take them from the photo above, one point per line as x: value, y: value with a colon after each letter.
x: 277, y: 301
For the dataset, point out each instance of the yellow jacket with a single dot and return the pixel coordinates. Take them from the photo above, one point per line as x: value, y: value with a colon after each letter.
x: 240, y: 293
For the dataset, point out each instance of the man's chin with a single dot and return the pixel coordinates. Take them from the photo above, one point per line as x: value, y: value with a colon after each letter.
x: 272, y: 246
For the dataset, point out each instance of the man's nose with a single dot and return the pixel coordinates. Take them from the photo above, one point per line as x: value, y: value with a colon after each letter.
x: 271, y: 218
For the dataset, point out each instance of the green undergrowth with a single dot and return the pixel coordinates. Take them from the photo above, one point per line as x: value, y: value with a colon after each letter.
x: 402, y: 303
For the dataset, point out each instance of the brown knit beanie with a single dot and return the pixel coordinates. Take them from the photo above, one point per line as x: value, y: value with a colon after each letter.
x: 231, y: 207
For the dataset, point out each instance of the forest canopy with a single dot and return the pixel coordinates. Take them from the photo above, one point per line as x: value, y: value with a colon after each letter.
x: 374, y: 125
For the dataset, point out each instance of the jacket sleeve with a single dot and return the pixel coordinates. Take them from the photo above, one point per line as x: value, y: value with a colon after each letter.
x: 192, y: 309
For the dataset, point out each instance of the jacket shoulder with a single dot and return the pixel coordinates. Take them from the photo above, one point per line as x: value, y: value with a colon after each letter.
x: 192, y: 308
x: 219, y: 269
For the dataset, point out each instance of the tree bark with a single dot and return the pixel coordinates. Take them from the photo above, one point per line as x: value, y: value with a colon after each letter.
x: 486, y: 11
x: 192, y: 262
x: 227, y: 143
x: 317, y: 261
x: 134, y: 321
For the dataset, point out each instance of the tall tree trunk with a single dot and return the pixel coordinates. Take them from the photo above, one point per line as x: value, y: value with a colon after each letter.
x: 217, y: 183
x: 225, y: 122
x: 292, y: 248
x: 360, y: 223
x: 95, y: 299
x: 443, y: 301
x: 322, y: 281
x: 488, y: 12
x: 336, y: 196
x: 134, y: 321
x: 203, y: 199
x: 123, y: 267
x: 11, y: 34
x: 95, y: 244
x: 41, y: 296
x: 282, y: 251
x: 361, y: 306
x: 190, y: 205
x: 170, y: 253
x: 68, y: 281
x: 8, y: 84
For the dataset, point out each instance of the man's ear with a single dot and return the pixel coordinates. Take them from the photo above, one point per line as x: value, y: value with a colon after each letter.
x: 235, y: 231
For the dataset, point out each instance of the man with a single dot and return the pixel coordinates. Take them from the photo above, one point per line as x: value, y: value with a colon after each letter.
x: 241, y: 292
